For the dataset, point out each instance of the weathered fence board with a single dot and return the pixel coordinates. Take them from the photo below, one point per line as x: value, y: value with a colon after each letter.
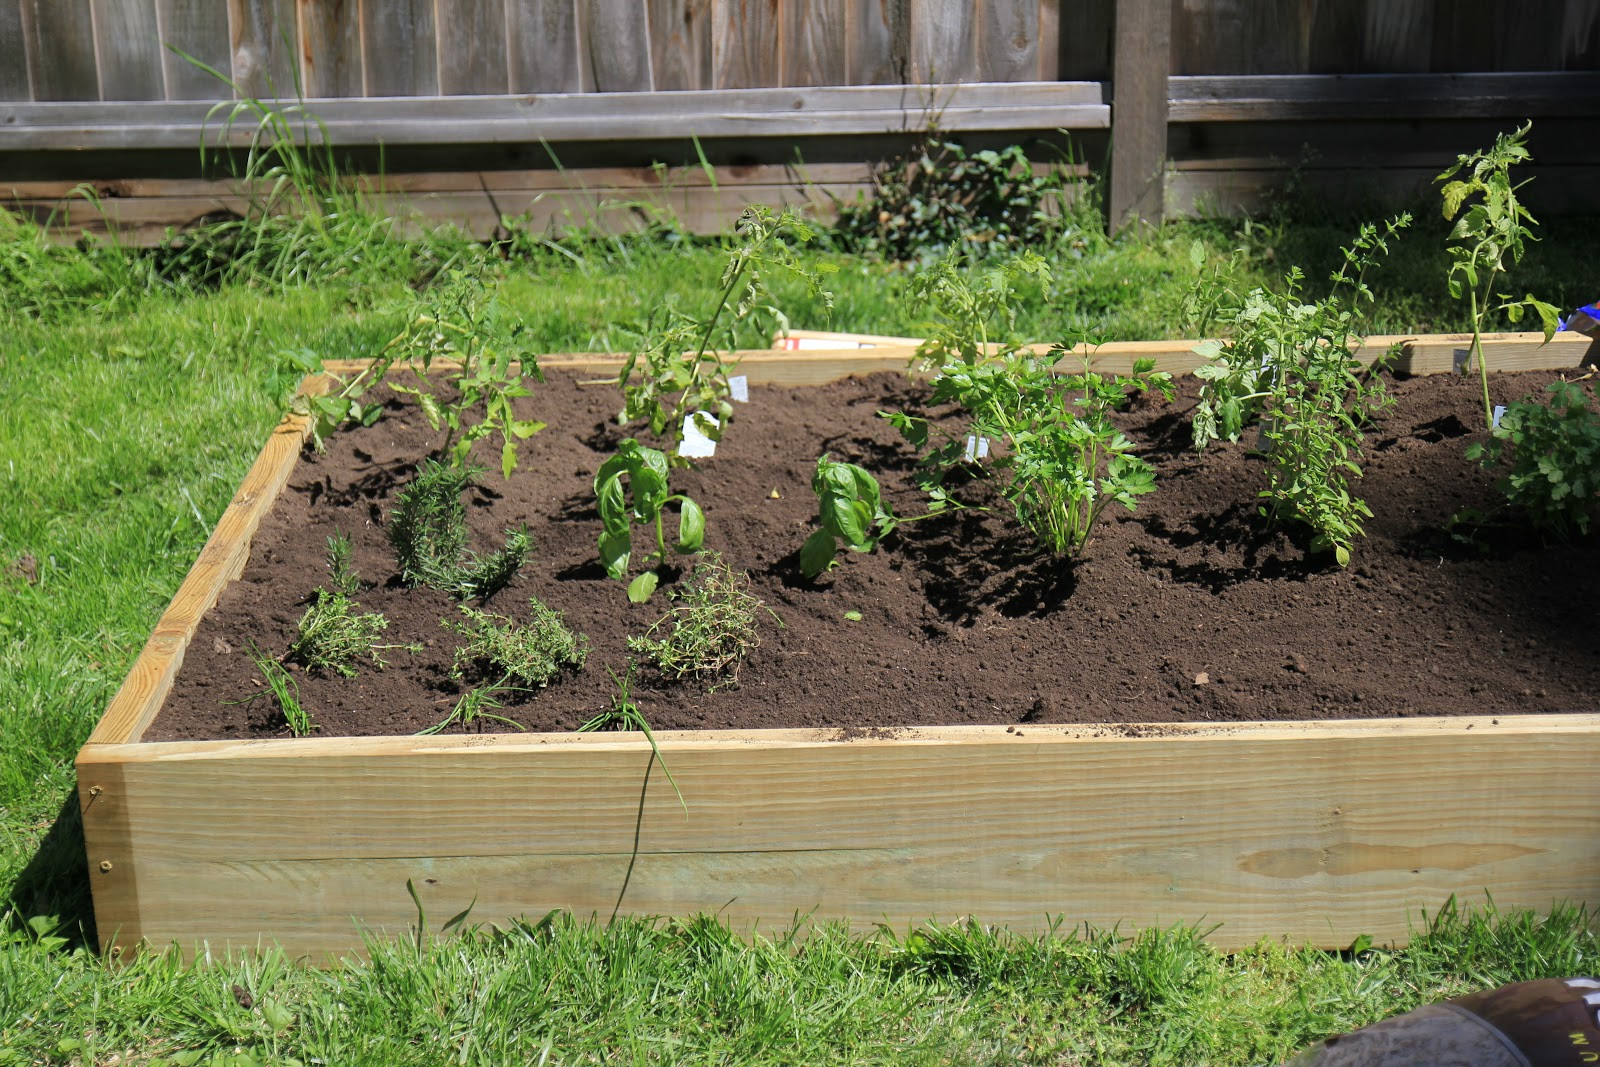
x: 398, y: 47
x: 944, y: 41
x: 129, y: 50
x: 680, y: 43
x: 614, y: 38
x: 543, y: 52
x: 330, y: 48
x: 879, y: 51
x: 814, y: 43
x: 198, y: 29
x: 13, y: 53
x: 60, y: 38
x: 744, y: 44
x: 266, y: 41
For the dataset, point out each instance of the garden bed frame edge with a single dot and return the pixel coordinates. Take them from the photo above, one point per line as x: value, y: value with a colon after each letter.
x: 1313, y: 831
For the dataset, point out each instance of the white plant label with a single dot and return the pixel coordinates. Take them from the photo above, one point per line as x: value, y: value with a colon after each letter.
x: 739, y: 388
x: 695, y: 444
x: 1499, y: 409
x: 977, y: 447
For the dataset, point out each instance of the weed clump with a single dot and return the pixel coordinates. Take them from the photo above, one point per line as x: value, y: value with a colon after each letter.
x: 940, y: 196
x: 528, y: 654
x: 710, y: 631
x: 428, y: 530
x: 331, y: 636
x: 284, y: 692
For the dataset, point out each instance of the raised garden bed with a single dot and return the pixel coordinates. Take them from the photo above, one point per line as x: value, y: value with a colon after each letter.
x: 1313, y: 830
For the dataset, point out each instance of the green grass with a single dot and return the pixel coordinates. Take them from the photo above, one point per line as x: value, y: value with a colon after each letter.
x: 137, y: 391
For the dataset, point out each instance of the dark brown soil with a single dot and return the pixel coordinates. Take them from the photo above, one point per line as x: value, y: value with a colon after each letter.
x: 1183, y: 610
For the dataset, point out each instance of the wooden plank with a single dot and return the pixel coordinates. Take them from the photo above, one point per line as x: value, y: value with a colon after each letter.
x: 128, y: 44
x: 744, y: 44
x: 399, y: 52
x: 944, y: 42
x: 543, y: 46
x: 1049, y: 68
x: 220, y: 562
x: 265, y: 41
x: 816, y: 338
x: 785, y: 113
x: 614, y: 46
x: 472, y: 47
x: 878, y: 51
x: 1141, y: 57
x: 200, y: 29
x: 1316, y: 832
x: 1399, y: 36
x: 330, y: 47
x: 680, y: 43
x: 1009, y: 41
x: 814, y: 36
x: 60, y: 39
x: 1382, y: 96
x: 14, y: 84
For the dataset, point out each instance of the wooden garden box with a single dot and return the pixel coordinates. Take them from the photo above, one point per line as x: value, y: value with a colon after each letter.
x: 1314, y: 831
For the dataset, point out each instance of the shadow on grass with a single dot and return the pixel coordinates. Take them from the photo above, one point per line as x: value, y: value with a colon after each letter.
x: 55, y: 883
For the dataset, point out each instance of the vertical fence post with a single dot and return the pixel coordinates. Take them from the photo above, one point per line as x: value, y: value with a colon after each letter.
x: 1141, y: 58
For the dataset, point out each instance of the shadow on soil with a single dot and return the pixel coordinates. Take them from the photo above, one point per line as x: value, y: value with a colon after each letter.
x: 55, y: 883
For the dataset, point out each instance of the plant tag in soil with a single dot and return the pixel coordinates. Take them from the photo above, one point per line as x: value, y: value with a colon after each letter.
x: 977, y: 447
x: 1499, y: 410
x: 739, y: 388
x: 695, y: 444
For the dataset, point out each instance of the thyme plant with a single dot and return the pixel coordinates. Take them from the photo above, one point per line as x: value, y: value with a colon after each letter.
x: 711, y: 628
x: 331, y: 636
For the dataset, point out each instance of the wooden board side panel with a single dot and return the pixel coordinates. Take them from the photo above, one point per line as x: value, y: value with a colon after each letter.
x: 1318, y: 837
x: 221, y: 560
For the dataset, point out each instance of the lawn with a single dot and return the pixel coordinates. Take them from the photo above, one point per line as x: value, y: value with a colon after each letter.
x: 137, y: 389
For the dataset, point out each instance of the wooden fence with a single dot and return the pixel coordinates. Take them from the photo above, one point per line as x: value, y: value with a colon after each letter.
x: 1202, y: 98
x: 115, y: 50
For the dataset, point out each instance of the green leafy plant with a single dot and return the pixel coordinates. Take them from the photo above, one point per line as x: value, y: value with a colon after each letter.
x: 331, y: 636
x: 1491, y: 226
x: 709, y: 631
x: 624, y: 714
x: 530, y: 653
x: 680, y: 369
x: 631, y: 489
x: 428, y: 531
x: 284, y: 691
x: 1288, y: 367
x: 478, y: 702
x: 1550, y: 453
x: 465, y: 354
x: 850, y: 509
x: 1061, y: 461
x: 939, y: 195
